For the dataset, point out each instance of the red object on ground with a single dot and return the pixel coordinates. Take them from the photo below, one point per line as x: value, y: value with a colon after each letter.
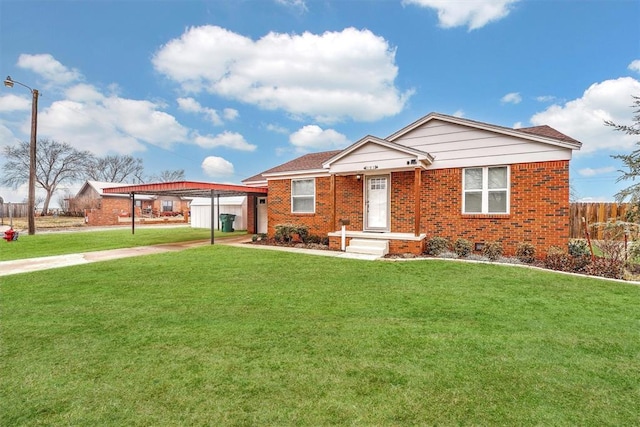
x: 10, y: 235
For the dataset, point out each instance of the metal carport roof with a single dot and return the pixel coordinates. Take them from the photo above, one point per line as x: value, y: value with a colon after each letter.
x: 185, y: 189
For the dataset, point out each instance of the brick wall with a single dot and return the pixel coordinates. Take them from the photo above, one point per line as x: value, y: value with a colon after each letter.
x: 539, y: 209
x: 279, y: 210
x: 251, y: 214
x: 107, y: 213
x: 109, y: 208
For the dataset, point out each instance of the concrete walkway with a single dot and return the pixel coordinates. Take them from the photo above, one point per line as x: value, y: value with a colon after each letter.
x: 43, y: 263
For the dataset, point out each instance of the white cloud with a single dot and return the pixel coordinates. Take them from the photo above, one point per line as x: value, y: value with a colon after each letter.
x: 511, y: 98
x: 597, y: 171
x: 190, y: 105
x: 329, y: 77
x: 48, y: 67
x: 277, y: 129
x: 472, y: 13
x: 230, y: 114
x: 545, y: 98
x: 225, y: 139
x: 12, y: 102
x: 583, y: 118
x: 217, y: 166
x: 459, y: 113
x: 517, y: 125
x: 84, y: 93
x: 635, y: 65
x: 89, y: 120
x: 297, y: 4
x: 6, y: 136
x: 314, y: 137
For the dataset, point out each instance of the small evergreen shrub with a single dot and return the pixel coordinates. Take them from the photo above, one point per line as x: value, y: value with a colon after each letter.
x: 462, y: 247
x: 437, y: 245
x: 526, y: 252
x: 492, y: 250
x: 578, y: 248
x: 634, y: 251
x: 254, y: 238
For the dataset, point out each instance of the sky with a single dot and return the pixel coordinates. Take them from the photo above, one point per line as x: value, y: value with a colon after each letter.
x: 226, y: 89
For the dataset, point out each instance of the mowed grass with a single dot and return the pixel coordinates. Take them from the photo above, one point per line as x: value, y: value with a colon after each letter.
x: 239, y: 336
x: 62, y: 243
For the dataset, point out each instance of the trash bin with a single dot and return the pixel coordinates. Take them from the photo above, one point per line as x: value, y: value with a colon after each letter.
x: 226, y: 221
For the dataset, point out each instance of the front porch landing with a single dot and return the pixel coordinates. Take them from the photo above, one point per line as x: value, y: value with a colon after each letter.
x: 399, y: 243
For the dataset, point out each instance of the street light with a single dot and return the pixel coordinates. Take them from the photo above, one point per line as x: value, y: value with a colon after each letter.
x: 31, y: 201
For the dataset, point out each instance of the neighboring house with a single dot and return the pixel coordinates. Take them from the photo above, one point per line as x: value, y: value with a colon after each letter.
x: 201, y: 211
x: 112, y: 209
x: 440, y: 176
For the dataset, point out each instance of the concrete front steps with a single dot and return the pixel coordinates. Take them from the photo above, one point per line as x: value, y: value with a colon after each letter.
x: 368, y: 246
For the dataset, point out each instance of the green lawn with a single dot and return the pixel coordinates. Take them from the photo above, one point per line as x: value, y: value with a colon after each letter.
x: 220, y: 335
x: 46, y: 244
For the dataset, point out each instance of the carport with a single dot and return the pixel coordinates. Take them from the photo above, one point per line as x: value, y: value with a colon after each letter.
x: 186, y: 189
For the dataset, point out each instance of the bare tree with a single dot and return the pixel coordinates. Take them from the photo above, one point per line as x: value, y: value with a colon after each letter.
x: 56, y: 163
x: 115, y: 169
x: 169, y: 176
x: 631, y: 161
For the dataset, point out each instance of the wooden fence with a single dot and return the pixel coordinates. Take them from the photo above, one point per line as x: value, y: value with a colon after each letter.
x: 595, y: 215
x: 15, y: 210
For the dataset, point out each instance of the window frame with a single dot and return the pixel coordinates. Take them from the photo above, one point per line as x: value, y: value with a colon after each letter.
x: 485, y: 190
x: 165, y: 203
x: 303, y: 196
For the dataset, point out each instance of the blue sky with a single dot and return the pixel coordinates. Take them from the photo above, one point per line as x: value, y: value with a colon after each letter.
x: 228, y: 88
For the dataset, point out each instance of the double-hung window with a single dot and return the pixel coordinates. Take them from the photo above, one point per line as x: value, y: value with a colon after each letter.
x: 303, y: 195
x: 167, y: 206
x: 486, y: 190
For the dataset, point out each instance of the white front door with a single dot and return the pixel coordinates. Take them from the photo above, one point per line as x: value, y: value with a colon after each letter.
x: 262, y: 214
x: 377, y: 203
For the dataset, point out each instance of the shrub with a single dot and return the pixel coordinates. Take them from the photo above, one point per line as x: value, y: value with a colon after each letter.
x: 313, y: 238
x: 462, y: 247
x: 492, y: 250
x: 286, y: 232
x: 437, y: 245
x: 578, y: 248
x: 526, y: 252
x: 558, y: 259
x: 254, y: 238
x: 606, y: 267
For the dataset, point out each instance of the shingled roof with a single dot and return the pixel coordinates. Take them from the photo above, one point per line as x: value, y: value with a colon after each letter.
x: 307, y: 162
x: 548, y: 132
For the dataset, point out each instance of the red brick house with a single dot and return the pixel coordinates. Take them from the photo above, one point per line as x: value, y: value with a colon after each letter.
x: 113, y: 209
x: 439, y: 176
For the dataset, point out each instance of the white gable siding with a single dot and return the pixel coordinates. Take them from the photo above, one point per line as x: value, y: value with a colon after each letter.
x: 454, y: 145
x: 370, y: 155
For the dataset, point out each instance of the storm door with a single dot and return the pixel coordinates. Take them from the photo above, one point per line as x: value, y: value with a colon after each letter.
x: 377, y: 203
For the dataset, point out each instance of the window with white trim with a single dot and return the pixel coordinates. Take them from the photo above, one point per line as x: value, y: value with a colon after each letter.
x: 486, y: 190
x: 303, y: 195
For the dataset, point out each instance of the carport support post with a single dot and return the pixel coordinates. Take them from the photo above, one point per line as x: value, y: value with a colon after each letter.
x: 218, y: 211
x: 133, y: 213
x: 213, y: 217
